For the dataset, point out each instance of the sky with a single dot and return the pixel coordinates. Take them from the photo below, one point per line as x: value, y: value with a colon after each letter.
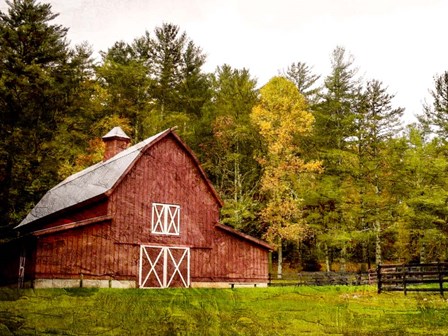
x: 399, y: 42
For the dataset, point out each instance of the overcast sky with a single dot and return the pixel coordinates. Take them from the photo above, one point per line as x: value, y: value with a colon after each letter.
x: 400, y: 42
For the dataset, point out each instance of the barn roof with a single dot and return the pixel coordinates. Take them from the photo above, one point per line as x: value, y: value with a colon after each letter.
x: 116, y: 132
x: 244, y: 236
x: 97, y: 180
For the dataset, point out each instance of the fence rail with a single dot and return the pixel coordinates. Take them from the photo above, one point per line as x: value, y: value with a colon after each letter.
x: 410, y: 277
x: 323, y: 279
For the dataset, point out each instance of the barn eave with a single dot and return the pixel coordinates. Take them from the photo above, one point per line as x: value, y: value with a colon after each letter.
x: 73, y: 225
x: 244, y: 236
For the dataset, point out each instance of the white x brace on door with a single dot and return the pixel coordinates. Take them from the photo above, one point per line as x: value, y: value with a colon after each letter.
x: 164, y: 266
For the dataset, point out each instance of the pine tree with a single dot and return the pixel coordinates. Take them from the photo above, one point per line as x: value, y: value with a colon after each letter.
x: 301, y: 75
x: 435, y: 116
x: 35, y: 74
x: 424, y: 209
x: 376, y: 123
x: 333, y: 192
x: 229, y: 155
x: 125, y: 82
x: 178, y: 87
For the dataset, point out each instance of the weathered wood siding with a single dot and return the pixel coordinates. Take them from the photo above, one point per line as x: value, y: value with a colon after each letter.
x: 237, y: 259
x: 231, y: 259
x: 68, y: 254
x: 90, y: 210
x: 74, y: 252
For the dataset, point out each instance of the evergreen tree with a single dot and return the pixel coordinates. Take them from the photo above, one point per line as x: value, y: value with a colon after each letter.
x: 178, y: 87
x: 194, y: 85
x: 424, y: 210
x: 301, y: 75
x: 376, y: 123
x: 228, y: 155
x: 125, y: 82
x: 333, y: 134
x: 35, y: 74
x: 83, y: 108
x: 435, y: 116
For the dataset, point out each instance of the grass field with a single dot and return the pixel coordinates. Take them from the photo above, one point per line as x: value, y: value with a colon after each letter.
x: 259, y: 311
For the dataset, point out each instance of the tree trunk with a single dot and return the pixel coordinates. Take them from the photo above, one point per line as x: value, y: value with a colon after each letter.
x: 343, y: 260
x: 280, y: 261
x: 327, y: 258
x: 377, y: 225
x: 237, y: 187
x: 377, y: 242
x: 423, y: 253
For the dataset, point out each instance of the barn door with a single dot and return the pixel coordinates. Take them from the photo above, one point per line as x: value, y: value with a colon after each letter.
x: 163, y: 266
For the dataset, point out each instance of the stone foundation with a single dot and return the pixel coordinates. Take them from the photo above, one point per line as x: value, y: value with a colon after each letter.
x: 86, y: 283
x: 92, y: 283
x: 228, y: 285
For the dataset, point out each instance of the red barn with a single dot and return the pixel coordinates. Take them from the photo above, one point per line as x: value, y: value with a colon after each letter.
x: 146, y: 216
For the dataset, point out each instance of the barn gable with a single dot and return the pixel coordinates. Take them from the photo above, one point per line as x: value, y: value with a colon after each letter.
x: 165, y: 179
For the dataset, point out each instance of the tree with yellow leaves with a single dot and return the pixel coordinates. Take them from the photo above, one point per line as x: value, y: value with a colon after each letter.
x: 281, y: 117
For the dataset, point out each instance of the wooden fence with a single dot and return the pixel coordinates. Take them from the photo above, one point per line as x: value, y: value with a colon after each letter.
x: 323, y: 279
x: 411, y: 277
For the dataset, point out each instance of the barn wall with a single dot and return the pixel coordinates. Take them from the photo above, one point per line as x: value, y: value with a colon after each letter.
x: 165, y: 174
x: 236, y: 259
x: 68, y: 254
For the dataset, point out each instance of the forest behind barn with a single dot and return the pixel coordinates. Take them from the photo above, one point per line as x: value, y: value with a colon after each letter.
x: 321, y: 165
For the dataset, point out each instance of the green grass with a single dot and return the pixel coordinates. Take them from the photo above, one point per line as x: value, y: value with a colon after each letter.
x: 259, y: 311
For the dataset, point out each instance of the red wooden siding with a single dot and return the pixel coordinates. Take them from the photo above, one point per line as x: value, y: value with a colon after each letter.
x: 89, y: 210
x: 237, y: 259
x: 74, y: 252
x: 70, y: 253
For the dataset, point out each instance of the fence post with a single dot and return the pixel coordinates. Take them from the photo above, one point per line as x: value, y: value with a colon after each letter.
x: 439, y: 270
x: 404, y: 278
x: 378, y: 277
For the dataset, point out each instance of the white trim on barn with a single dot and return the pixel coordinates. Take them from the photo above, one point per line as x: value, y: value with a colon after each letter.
x: 22, y: 261
x: 165, y: 219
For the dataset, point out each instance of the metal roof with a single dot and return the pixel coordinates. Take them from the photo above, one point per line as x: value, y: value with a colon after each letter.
x: 88, y: 183
x: 116, y: 132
